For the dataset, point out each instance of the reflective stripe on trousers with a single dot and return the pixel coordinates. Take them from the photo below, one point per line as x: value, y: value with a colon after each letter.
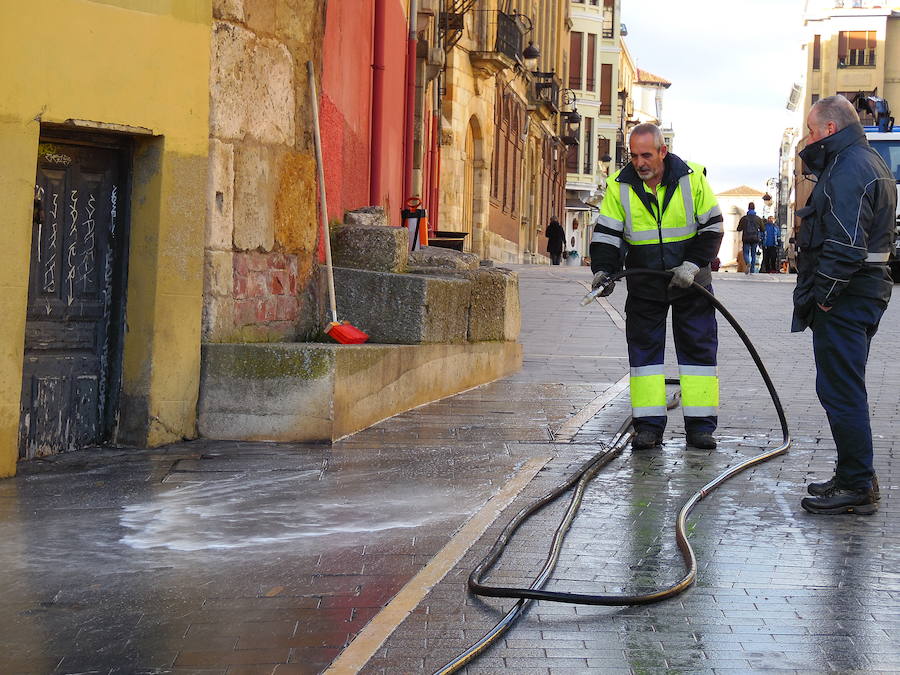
x: 696, y: 343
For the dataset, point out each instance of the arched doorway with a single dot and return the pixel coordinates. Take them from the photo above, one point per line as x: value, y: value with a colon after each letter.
x: 468, y: 196
x: 474, y: 211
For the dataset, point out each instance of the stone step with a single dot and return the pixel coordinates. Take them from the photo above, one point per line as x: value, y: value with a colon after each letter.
x: 430, y: 305
x: 321, y: 392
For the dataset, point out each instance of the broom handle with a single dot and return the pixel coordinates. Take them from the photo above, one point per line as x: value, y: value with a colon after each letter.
x: 320, y: 169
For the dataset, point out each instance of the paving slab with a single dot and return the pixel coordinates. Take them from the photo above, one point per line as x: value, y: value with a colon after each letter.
x: 220, y: 557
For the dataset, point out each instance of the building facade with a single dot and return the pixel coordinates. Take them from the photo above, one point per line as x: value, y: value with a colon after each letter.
x: 852, y: 47
x: 594, y: 55
x: 175, y: 197
x: 104, y: 141
x: 734, y: 204
x: 501, y: 157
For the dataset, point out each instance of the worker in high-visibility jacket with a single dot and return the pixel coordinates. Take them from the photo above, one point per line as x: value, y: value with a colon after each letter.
x: 660, y: 213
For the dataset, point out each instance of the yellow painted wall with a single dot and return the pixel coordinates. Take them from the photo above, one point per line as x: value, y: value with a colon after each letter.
x: 141, y: 64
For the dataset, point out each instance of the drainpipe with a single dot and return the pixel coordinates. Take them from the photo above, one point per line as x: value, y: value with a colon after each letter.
x: 377, y: 133
x: 408, y: 153
x: 435, y: 184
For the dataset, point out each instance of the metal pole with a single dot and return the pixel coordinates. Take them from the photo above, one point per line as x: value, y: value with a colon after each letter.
x: 410, y: 101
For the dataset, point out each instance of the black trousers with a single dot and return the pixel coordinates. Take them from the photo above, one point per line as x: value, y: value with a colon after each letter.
x: 555, y: 258
x: 770, y: 259
x: 841, y: 339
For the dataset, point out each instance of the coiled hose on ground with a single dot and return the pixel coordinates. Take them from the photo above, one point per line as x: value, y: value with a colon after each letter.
x: 579, y: 480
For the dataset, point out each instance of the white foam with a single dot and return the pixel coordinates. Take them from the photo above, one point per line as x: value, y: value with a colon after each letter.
x: 244, y: 511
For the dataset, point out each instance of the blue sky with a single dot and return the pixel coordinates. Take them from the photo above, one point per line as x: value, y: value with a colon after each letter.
x: 731, y: 64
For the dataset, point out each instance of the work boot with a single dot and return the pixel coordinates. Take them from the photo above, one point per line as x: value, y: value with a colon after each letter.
x: 822, y: 489
x: 702, y: 440
x: 842, y: 500
x: 646, y: 439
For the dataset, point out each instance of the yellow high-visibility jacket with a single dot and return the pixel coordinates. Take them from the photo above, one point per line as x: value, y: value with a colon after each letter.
x: 658, y: 229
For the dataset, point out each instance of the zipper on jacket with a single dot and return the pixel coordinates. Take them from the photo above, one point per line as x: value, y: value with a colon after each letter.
x: 662, y: 259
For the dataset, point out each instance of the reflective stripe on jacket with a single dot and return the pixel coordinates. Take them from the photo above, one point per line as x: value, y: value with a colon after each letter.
x: 658, y: 229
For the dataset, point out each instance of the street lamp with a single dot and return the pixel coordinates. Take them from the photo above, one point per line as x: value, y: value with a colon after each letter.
x: 530, y: 56
x: 571, y: 117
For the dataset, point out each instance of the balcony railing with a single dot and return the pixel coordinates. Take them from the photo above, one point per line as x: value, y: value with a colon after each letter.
x: 498, y: 31
x: 545, y: 90
x: 608, y: 27
x: 498, y: 38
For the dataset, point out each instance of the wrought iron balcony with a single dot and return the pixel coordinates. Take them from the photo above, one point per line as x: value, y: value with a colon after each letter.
x: 498, y: 41
x: 544, y: 94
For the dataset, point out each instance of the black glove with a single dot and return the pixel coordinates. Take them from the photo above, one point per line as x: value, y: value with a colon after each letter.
x: 599, y: 279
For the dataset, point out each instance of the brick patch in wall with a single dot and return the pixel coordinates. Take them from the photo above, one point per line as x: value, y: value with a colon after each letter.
x: 265, y: 288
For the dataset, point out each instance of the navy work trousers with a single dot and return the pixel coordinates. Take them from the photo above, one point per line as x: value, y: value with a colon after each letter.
x: 696, y: 343
x: 841, y: 339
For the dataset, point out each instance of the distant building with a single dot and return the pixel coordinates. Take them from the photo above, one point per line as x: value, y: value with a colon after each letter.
x: 851, y: 48
x: 648, y: 92
x: 594, y: 46
x: 734, y: 206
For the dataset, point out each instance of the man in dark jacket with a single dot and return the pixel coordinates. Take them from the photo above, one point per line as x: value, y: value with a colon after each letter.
x: 752, y: 228
x: 843, y: 287
x: 556, y: 239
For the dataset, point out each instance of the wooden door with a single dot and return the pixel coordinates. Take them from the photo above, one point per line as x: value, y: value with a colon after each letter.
x: 75, y: 300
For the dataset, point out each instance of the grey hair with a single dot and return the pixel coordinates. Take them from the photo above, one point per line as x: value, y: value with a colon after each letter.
x: 653, y: 130
x: 835, y: 109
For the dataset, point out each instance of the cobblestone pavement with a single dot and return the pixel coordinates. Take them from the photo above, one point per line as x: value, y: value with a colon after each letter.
x: 262, y: 558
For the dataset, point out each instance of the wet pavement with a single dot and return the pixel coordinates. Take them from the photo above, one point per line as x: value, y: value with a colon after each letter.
x: 211, y: 557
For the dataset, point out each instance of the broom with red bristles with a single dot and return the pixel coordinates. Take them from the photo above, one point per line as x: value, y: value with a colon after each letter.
x: 340, y: 331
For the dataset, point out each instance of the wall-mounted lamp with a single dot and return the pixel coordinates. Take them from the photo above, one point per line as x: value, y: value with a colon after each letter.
x: 572, y: 118
x: 530, y: 56
x: 605, y: 158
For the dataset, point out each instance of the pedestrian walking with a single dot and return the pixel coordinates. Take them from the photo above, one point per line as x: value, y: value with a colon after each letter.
x: 556, y: 240
x: 572, y: 257
x: 660, y: 212
x: 843, y: 287
x: 771, y: 244
x: 752, y: 228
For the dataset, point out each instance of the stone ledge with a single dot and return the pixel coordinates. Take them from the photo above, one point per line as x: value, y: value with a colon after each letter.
x: 319, y: 392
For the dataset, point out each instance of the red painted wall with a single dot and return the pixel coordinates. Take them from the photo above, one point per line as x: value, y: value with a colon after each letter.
x: 346, y: 105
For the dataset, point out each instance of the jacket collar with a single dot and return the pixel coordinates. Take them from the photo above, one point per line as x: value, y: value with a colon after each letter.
x: 820, y: 154
x: 673, y: 169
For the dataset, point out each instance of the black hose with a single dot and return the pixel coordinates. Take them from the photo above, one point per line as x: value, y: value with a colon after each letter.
x: 580, y: 479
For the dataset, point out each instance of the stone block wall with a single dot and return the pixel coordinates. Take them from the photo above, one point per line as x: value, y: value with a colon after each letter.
x: 262, y: 231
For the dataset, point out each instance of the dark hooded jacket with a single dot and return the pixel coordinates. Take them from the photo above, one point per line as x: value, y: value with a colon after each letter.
x: 847, y: 226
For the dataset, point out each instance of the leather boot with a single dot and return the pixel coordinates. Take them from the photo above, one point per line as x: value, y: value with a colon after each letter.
x: 646, y: 439
x: 820, y: 489
x: 841, y: 500
x: 702, y: 440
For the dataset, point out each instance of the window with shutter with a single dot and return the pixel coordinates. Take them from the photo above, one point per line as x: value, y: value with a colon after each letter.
x: 588, y: 167
x: 609, y: 18
x: 591, y: 80
x: 856, y: 49
x: 606, y: 93
x: 575, y: 44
